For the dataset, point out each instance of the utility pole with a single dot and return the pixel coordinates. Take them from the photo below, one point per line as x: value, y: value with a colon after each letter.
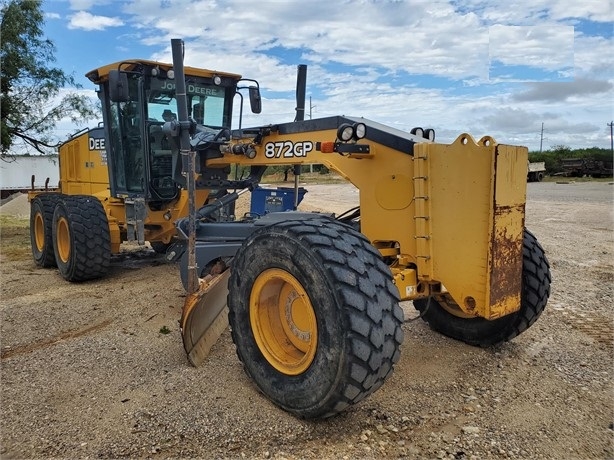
x: 541, y: 139
x: 610, y: 124
x: 310, y: 107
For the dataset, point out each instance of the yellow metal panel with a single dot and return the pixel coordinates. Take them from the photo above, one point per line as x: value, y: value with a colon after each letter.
x: 113, y: 232
x: 405, y: 281
x: 459, y: 196
x: 102, y: 73
x: 384, y: 167
x: 505, y: 261
x: 98, y: 170
x: 394, y: 191
x: 83, y: 171
x: 159, y: 228
x: 476, y: 223
x: 458, y: 212
x: 378, y: 209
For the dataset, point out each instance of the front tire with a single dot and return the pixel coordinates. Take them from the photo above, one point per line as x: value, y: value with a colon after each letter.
x: 41, y: 223
x: 81, y: 238
x: 314, y: 315
x: 443, y: 314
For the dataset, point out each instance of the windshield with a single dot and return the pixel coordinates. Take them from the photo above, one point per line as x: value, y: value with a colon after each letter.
x: 141, y: 152
x: 205, y: 102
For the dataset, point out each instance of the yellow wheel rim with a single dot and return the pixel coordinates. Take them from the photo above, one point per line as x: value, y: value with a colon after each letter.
x: 63, y: 239
x: 39, y: 231
x: 283, y: 321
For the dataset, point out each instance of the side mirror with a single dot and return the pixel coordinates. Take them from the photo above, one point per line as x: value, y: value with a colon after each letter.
x: 118, y: 86
x: 254, y: 99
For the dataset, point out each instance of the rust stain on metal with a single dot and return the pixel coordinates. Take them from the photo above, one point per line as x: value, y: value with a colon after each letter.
x: 506, y: 257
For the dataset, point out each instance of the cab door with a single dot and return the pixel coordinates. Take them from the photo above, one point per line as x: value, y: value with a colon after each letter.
x: 124, y: 145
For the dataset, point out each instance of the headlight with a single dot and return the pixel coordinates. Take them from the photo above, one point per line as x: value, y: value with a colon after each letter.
x: 345, y: 132
x: 417, y: 132
x: 360, y: 130
x: 170, y: 74
x: 217, y: 80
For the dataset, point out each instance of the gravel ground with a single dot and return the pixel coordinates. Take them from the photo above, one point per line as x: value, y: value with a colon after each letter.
x: 87, y: 373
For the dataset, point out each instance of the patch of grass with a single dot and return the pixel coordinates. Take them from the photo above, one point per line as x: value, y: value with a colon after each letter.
x: 12, y: 221
x: 165, y: 330
x: 14, y: 238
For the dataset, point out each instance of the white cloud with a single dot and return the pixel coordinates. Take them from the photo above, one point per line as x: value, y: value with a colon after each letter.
x: 594, y: 56
x: 360, y: 54
x: 414, y: 37
x: 52, y: 16
x: 594, y: 10
x: 87, y: 21
x: 526, y: 12
x: 564, y: 91
x: 547, y: 46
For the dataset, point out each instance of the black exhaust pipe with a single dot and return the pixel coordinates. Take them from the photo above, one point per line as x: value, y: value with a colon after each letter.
x: 301, y: 89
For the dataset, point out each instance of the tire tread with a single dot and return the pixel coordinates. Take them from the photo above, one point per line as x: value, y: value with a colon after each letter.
x: 362, y: 283
x: 536, y: 279
x: 46, y: 203
x: 90, y: 256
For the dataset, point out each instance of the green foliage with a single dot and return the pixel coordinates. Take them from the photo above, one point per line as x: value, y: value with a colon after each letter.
x: 278, y: 169
x: 165, y: 330
x: 30, y: 101
x: 553, y: 157
x: 238, y: 172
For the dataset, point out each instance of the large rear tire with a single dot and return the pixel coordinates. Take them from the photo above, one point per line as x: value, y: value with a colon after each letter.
x: 41, y: 223
x: 81, y: 238
x: 314, y: 315
x: 443, y: 314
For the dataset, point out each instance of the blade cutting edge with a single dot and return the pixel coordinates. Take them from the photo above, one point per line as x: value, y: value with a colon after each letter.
x: 205, y: 318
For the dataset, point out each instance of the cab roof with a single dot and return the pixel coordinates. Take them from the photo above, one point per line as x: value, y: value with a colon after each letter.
x: 101, y: 74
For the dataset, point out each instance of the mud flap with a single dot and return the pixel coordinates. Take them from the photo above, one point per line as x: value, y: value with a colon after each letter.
x: 205, y: 317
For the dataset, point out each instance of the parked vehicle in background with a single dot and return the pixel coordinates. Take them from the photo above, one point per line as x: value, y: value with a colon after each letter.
x: 580, y: 167
x: 536, y: 171
x: 21, y: 173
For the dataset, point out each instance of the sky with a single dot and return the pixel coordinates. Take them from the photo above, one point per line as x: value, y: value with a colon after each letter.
x: 484, y: 67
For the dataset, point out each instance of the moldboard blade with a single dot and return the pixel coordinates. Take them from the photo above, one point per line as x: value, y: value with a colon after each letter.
x: 204, y: 318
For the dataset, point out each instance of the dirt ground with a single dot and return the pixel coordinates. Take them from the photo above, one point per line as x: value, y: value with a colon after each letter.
x: 88, y: 372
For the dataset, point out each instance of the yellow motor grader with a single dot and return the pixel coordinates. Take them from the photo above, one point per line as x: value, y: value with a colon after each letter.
x: 312, y: 299
x: 118, y: 181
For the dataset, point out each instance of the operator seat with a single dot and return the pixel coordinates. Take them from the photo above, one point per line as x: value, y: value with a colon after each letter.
x: 167, y: 115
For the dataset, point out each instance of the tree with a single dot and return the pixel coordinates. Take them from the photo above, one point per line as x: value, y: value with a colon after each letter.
x: 30, y: 101
x: 554, y: 157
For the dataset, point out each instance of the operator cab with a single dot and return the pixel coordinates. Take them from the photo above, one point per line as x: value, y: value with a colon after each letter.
x: 138, y: 98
